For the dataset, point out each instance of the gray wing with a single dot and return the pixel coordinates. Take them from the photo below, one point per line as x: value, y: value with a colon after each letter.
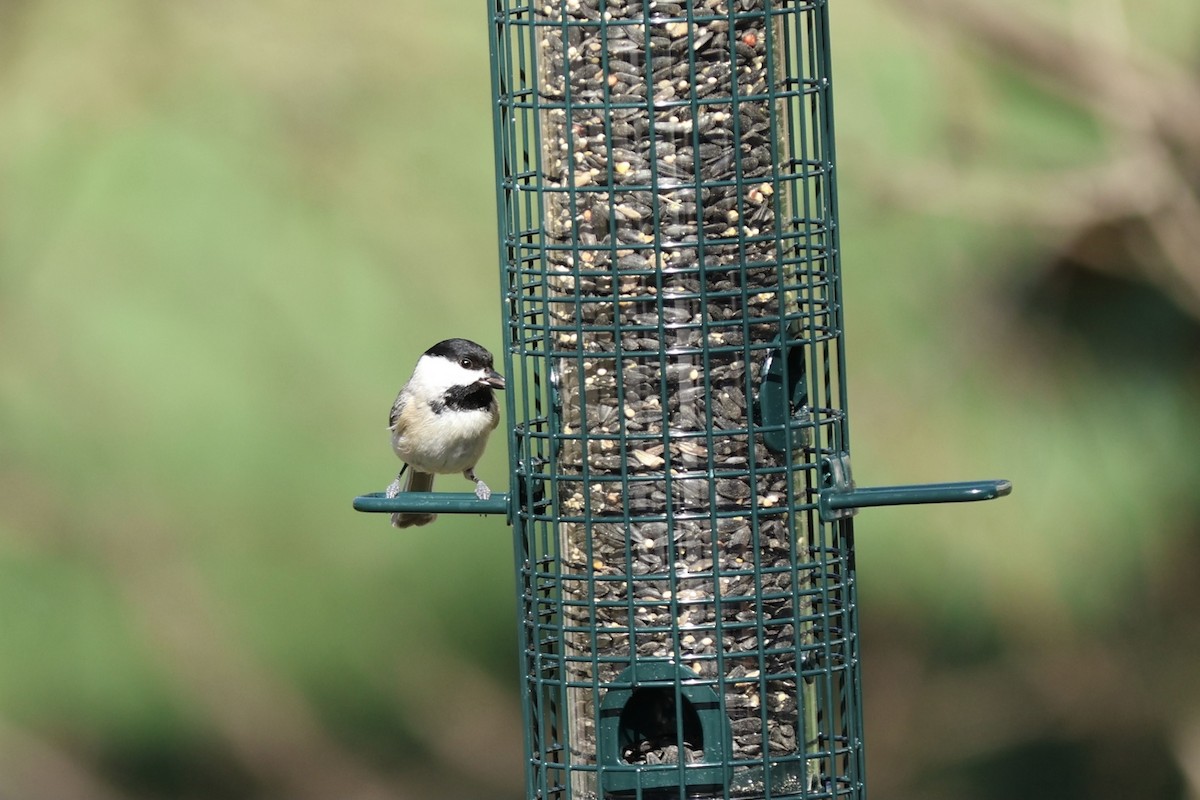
x: 394, y: 422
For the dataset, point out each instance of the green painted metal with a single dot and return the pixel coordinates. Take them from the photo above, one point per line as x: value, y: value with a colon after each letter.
x: 961, y: 492
x: 643, y: 708
x: 672, y: 308
x: 681, y: 496
x: 831, y: 499
x: 433, y: 502
x: 782, y: 406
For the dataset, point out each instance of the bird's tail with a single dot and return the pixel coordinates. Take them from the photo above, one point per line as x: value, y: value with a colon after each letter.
x: 417, y: 482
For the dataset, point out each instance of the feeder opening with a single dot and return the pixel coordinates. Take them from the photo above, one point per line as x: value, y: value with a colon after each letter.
x: 650, y: 725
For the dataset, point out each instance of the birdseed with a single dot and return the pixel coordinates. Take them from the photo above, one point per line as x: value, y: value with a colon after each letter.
x: 670, y: 283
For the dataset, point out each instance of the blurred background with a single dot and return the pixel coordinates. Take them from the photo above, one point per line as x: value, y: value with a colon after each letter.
x: 228, y: 229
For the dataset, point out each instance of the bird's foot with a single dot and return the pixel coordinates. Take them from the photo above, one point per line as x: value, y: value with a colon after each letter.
x: 393, y: 488
x: 481, y: 489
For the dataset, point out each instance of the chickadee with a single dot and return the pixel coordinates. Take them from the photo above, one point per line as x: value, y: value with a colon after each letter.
x: 442, y: 418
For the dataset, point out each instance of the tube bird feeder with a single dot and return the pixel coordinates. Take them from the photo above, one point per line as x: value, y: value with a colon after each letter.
x: 681, y: 497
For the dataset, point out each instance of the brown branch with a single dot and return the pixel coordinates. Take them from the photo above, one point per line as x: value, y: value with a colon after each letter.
x: 1125, y: 86
x: 472, y: 724
x: 1152, y: 110
x: 32, y: 768
x: 1185, y: 746
x: 266, y: 723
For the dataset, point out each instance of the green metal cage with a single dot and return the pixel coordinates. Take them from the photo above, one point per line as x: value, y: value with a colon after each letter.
x: 680, y: 496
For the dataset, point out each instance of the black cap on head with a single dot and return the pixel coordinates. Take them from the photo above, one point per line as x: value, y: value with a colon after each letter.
x: 459, y: 349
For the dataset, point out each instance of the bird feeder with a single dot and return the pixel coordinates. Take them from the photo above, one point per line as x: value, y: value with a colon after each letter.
x: 681, y: 496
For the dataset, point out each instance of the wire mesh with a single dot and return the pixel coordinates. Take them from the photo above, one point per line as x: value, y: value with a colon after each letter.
x: 668, y: 242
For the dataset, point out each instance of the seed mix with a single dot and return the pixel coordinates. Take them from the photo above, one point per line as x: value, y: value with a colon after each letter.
x: 666, y: 297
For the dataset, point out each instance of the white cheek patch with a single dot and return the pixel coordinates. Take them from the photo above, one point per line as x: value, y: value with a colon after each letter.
x: 440, y: 374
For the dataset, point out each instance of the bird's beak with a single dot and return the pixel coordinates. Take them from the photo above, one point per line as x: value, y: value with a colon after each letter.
x: 493, y: 379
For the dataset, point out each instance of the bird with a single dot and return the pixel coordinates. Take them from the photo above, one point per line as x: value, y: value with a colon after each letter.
x: 442, y: 418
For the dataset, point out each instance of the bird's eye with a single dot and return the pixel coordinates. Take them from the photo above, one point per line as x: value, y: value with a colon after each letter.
x: 466, y: 363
